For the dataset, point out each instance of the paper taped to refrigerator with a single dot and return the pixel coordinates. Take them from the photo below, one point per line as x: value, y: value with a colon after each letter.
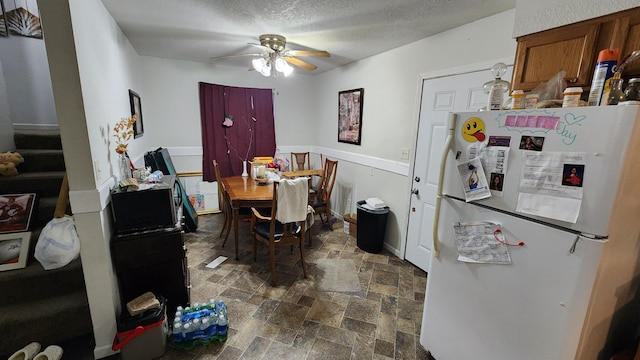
x: 494, y: 162
x: 477, y: 243
x: 551, y: 184
x: 474, y: 180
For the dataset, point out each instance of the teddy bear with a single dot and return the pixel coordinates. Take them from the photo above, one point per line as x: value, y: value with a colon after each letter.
x: 8, y: 162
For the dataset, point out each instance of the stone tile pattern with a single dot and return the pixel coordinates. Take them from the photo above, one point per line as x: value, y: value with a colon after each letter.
x: 295, y: 321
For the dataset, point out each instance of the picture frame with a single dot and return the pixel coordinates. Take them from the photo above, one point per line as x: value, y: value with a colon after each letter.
x: 203, y: 195
x: 16, y: 211
x: 4, y: 31
x: 136, y: 109
x: 14, y: 250
x: 22, y: 17
x: 350, y: 105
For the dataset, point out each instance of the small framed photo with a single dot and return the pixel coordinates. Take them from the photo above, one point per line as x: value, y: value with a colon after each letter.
x: 16, y: 212
x: 350, y: 116
x: 22, y: 17
x: 14, y: 250
x: 136, y: 109
x: 3, y: 21
x: 573, y: 175
x: 533, y: 143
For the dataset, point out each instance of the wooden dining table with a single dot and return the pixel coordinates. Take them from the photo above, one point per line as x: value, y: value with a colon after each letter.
x: 244, y: 191
x: 291, y: 174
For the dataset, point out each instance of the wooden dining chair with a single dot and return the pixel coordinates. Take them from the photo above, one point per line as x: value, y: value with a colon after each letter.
x: 300, y: 161
x: 287, y: 223
x: 223, y: 203
x: 322, y: 202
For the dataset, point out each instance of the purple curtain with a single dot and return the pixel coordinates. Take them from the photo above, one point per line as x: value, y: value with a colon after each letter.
x: 250, y: 133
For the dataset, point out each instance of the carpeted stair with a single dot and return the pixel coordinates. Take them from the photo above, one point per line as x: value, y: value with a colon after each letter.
x: 51, y: 306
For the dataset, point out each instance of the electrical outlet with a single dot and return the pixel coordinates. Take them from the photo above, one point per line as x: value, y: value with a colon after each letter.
x: 372, y: 171
x: 404, y: 153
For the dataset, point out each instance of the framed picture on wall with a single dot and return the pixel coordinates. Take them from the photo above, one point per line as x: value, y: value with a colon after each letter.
x: 23, y: 18
x: 350, y: 116
x: 3, y: 21
x: 16, y: 211
x: 14, y: 250
x: 136, y: 109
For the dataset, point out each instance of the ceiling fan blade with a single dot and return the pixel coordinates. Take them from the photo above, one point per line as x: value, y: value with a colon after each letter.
x: 266, y: 48
x: 321, y: 53
x: 232, y: 56
x: 300, y: 63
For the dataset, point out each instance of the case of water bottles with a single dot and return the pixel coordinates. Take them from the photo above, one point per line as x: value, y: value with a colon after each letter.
x: 200, y: 324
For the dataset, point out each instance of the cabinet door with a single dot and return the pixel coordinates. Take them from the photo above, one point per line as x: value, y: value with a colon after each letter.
x: 627, y: 39
x: 542, y: 55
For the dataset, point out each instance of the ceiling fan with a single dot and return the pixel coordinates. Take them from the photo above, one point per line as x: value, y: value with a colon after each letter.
x: 277, y: 57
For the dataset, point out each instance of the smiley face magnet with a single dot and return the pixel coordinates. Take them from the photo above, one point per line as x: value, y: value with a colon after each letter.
x: 473, y: 130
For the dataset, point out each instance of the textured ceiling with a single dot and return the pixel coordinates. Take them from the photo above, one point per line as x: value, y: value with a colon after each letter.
x: 349, y: 30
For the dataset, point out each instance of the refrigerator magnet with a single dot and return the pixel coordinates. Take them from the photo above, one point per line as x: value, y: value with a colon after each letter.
x: 473, y: 130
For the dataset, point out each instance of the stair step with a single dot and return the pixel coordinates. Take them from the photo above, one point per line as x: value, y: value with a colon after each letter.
x: 34, y: 281
x: 37, y: 139
x: 43, y: 183
x: 38, y: 160
x: 48, y: 320
x: 48, y: 306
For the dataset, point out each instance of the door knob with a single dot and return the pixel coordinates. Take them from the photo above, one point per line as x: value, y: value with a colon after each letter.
x: 415, y: 191
x: 417, y: 179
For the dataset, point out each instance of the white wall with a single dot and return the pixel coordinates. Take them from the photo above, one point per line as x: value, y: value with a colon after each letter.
x: 26, y: 71
x: 306, y: 111
x: 534, y: 16
x: 171, y: 105
x: 391, y: 81
x: 93, y: 66
x: 6, y: 128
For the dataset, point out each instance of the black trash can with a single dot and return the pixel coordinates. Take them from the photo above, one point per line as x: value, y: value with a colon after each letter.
x: 372, y: 224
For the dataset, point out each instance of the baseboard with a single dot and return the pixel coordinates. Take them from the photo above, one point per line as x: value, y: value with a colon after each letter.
x: 104, y: 351
x: 39, y: 127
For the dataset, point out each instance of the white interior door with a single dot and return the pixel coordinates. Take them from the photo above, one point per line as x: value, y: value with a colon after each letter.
x: 440, y: 95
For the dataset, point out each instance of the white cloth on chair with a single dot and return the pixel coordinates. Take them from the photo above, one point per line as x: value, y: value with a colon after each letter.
x: 293, y: 198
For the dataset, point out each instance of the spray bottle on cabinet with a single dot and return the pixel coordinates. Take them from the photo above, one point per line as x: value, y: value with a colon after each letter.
x: 600, y: 85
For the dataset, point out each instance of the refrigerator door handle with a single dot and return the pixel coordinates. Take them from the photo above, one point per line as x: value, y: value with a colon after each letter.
x: 436, y: 217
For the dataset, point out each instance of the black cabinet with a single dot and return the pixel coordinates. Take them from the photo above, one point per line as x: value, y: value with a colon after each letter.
x: 154, y: 258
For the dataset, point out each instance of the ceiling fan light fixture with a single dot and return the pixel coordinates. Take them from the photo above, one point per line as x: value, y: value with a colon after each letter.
x: 266, y: 71
x: 288, y: 70
x: 262, y: 66
x: 280, y: 64
x: 259, y: 64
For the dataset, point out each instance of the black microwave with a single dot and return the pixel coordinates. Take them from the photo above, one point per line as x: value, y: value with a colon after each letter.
x: 143, y: 210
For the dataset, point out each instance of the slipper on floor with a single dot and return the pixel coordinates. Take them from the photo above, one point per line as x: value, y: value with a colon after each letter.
x: 52, y: 352
x: 27, y: 352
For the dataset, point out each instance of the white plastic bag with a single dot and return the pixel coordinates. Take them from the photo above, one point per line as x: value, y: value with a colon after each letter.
x: 58, y: 243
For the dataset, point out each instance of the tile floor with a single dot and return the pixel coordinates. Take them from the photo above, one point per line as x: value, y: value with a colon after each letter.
x: 295, y: 321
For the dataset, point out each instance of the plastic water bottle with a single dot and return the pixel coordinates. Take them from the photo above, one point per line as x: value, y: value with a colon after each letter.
x: 223, y: 327
x: 195, y: 325
x: 177, y: 332
x: 213, y: 322
x: 187, y: 332
x: 221, y: 308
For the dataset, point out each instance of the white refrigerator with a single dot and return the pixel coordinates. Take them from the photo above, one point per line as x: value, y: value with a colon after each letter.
x: 541, y: 264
